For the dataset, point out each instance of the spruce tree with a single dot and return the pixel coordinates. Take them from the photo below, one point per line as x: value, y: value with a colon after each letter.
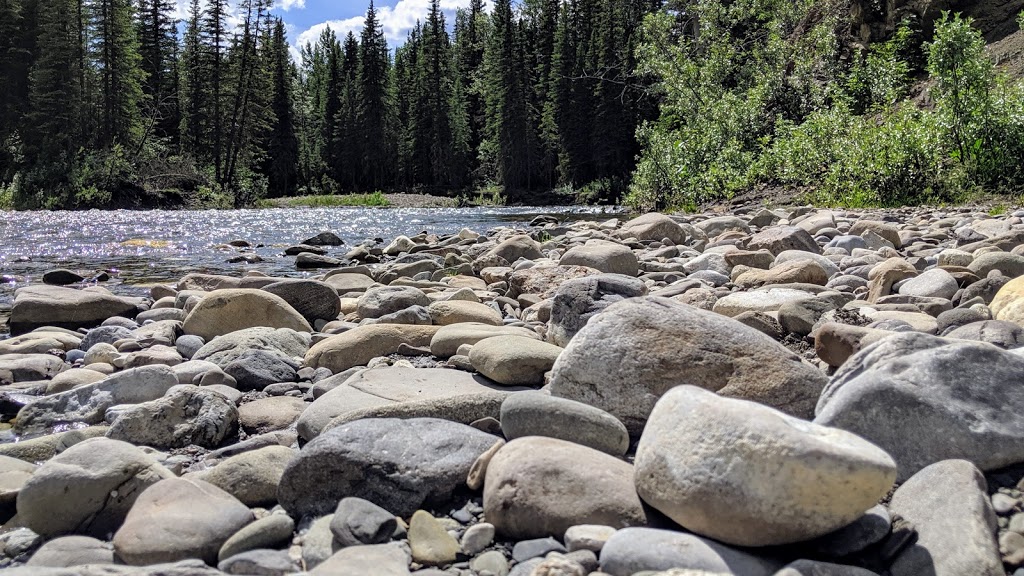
x: 158, y: 47
x: 116, y: 55
x: 14, y: 67
x: 373, y: 106
x: 282, y: 147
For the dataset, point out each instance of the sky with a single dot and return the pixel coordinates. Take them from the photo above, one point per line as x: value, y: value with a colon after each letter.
x: 306, y: 19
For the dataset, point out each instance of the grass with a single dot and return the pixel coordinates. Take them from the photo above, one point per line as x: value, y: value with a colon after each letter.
x: 372, y: 200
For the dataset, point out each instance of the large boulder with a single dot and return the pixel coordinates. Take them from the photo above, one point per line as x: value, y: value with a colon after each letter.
x: 37, y: 306
x: 225, y: 311
x: 577, y: 301
x: 190, y: 416
x: 399, y: 465
x: 179, y: 518
x: 608, y: 257
x: 536, y: 487
x: 312, y: 299
x: 701, y: 454
x: 925, y: 399
x: 403, y: 392
x: 632, y: 353
x: 88, y: 404
x: 87, y: 489
x: 949, y: 507
x: 653, y: 226
x: 358, y: 346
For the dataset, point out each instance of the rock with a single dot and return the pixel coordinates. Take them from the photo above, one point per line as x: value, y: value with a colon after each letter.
x: 1010, y: 265
x: 191, y: 416
x: 447, y: 340
x: 608, y: 257
x: 14, y: 473
x: 834, y: 343
x: 492, y: 562
x: 884, y: 275
x: 780, y: 239
x: 87, y: 489
x: 269, y: 414
x: 324, y: 239
x: 653, y: 226
x: 71, y: 551
x: 39, y: 343
x: 225, y: 311
x: 591, y: 537
x: 396, y: 464
x: 456, y: 312
x: 1006, y: 335
x: 935, y: 283
x: 888, y: 231
x: 538, y: 487
x: 346, y: 283
x: 792, y: 272
x: 358, y: 346
x: 383, y: 300
x: 403, y: 392
x: 89, y: 403
x: 701, y: 454
x: 802, y: 316
x: 1008, y: 303
x: 313, y: 261
x: 357, y: 522
x: 61, y: 277
x: 477, y: 538
x: 430, y: 543
x: 312, y: 299
x: 379, y: 560
x: 70, y: 379
x: 517, y: 247
x: 813, y: 568
x: 514, y: 360
x: 318, y: 542
x: 768, y: 300
x: 947, y: 503
x: 536, y: 414
x: 871, y: 528
x: 268, y: 532
x: 636, y: 550
x: 179, y: 518
x: 262, y: 562
x: 925, y: 399
x: 634, y: 351
x: 544, y: 280
x: 37, y: 306
x: 257, y: 357
x: 252, y: 477
x: 577, y: 301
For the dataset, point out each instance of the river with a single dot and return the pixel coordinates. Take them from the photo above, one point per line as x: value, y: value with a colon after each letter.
x: 142, y: 248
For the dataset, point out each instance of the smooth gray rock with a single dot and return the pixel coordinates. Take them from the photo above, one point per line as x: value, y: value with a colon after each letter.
x: 191, y: 416
x: 383, y: 300
x: 188, y: 345
x: 935, y: 283
x: 539, y: 414
x: 313, y: 299
x: 257, y: 357
x: 608, y: 257
x: 633, y: 550
x: 259, y: 563
x: 625, y: 358
x: 578, y: 300
x: 869, y: 529
x: 396, y: 464
x: 89, y: 403
x: 948, y: 505
x: 377, y: 559
x: 1006, y: 335
x: 924, y: 399
x: 87, y: 489
x: 270, y: 531
x: 38, y: 305
x: 357, y: 522
x: 69, y: 551
x: 813, y: 568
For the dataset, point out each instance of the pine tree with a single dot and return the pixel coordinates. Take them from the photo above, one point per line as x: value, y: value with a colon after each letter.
x: 14, y: 67
x: 471, y: 31
x: 116, y: 55
x: 158, y: 47
x: 405, y: 97
x: 347, y: 155
x: 195, y: 89
x: 433, y: 132
x: 213, y: 41
x: 53, y: 134
x: 373, y: 111
x: 282, y: 147
x: 508, y: 128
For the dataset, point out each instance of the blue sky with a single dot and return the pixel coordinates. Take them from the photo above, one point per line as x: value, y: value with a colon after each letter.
x: 306, y: 19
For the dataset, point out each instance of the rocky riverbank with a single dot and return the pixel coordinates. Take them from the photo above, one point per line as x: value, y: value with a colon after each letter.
x: 788, y: 392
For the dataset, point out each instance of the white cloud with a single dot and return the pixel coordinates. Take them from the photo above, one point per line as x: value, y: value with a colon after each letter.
x: 287, y: 5
x: 396, y: 21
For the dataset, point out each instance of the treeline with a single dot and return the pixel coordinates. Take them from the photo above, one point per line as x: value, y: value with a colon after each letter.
x: 114, y: 103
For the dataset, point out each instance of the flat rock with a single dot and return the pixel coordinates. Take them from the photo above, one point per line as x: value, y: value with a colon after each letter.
x: 925, y: 399
x: 633, y: 352
x: 458, y: 311
x: 269, y: 414
x: 268, y: 532
x: 537, y: 414
x: 383, y: 300
x: 39, y: 305
x: 440, y: 391
x: 378, y: 559
x: 653, y: 226
x: 396, y: 464
x: 514, y: 360
x: 767, y: 300
x: 536, y: 487
x: 608, y: 257
x: 700, y: 454
x: 430, y: 543
x: 358, y: 346
x: 446, y: 342
x: 634, y: 550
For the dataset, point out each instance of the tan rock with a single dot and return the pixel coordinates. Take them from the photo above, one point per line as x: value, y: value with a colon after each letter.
x: 358, y: 346
x: 884, y: 275
x: 459, y: 311
x: 430, y: 543
x: 225, y: 311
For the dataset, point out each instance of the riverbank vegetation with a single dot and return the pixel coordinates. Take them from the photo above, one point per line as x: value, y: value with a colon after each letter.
x: 661, y: 104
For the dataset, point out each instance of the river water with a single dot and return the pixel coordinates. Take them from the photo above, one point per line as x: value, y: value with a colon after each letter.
x: 141, y: 248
